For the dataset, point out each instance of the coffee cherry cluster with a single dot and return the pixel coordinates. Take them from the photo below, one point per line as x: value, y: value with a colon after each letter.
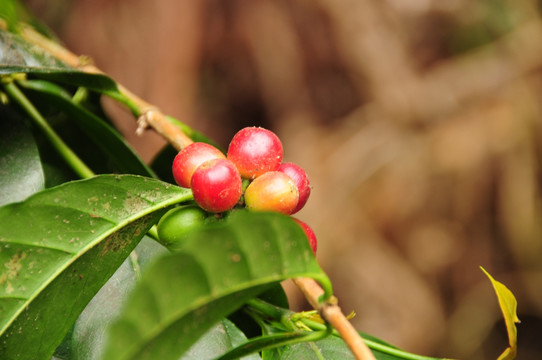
x: 251, y: 174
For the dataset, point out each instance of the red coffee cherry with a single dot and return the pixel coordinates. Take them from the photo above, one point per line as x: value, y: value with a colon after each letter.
x: 299, y: 176
x: 189, y: 158
x: 311, y: 237
x: 273, y: 191
x: 216, y: 185
x: 255, y: 151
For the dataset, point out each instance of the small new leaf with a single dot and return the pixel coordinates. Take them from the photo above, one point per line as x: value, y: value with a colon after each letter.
x: 508, y: 305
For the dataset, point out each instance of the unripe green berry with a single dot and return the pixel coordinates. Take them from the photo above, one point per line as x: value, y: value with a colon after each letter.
x: 177, y: 222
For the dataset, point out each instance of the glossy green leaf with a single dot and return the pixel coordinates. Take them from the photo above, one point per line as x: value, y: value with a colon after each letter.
x: 217, y: 270
x: 60, y: 246
x: 380, y: 348
x: 20, y: 56
x: 21, y: 173
x: 333, y: 347
x: 274, y: 341
x: 102, y: 134
x: 56, y: 175
x: 329, y: 348
x: 87, y: 340
x: 218, y: 340
x: 74, y: 137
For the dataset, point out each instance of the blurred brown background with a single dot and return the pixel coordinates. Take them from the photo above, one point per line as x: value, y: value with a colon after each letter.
x: 419, y: 122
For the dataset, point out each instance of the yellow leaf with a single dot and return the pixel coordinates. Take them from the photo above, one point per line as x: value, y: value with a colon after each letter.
x: 508, y: 305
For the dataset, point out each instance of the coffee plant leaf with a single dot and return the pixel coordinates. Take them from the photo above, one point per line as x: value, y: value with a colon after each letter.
x: 87, y: 338
x: 17, y: 54
x: 21, y: 173
x: 217, y: 269
x: 332, y: 347
x: 508, y: 305
x: 60, y: 246
x: 104, y: 136
x: 219, y: 339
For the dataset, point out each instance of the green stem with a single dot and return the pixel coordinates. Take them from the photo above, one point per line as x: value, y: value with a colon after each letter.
x: 271, y: 311
x: 268, y: 309
x: 60, y: 146
x: 126, y: 101
x: 272, y: 341
x: 80, y: 95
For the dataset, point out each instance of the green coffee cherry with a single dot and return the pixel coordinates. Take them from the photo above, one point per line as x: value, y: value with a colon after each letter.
x: 177, y: 222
